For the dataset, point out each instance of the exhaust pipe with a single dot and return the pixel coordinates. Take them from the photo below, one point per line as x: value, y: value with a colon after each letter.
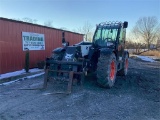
x: 64, y: 43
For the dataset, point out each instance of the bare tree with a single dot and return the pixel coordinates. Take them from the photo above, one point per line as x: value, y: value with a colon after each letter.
x: 16, y: 19
x: 29, y: 20
x: 48, y: 23
x: 26, y: 19
x: 87, y: 30
x: 74, y: 30
x: 147, y: 28
x: 63, y: 28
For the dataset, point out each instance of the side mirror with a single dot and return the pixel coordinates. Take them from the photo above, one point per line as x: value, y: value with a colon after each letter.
x: 125, y: 24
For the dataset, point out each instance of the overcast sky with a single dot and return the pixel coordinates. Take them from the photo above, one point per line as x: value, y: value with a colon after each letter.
x: 72, y: 14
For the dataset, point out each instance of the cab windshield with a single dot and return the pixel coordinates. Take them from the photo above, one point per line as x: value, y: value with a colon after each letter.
x: 103, y: 35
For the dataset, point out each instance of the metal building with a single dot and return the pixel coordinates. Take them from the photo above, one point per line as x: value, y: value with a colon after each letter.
x: 12, y: 55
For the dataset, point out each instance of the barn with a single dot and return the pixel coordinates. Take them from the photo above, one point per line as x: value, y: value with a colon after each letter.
x: 16, y: 36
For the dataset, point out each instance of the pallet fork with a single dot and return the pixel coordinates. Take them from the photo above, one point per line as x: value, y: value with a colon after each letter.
x: 70, y: 80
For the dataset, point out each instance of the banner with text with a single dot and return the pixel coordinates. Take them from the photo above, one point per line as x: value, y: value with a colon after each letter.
x: 33, y: 41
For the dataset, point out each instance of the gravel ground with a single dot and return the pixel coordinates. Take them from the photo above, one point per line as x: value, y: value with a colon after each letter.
x: 134, y: 97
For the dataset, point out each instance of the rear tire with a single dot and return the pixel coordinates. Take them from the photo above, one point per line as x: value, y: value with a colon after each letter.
x: 106, y: 70
x: 124, y: 70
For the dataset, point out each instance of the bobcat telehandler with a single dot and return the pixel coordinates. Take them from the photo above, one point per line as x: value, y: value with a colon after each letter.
x: 105, y: 56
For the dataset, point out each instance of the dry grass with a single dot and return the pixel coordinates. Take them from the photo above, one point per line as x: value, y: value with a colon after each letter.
x: 151, y: 53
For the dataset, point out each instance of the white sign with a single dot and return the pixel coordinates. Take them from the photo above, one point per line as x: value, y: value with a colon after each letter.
x: 33, y: 41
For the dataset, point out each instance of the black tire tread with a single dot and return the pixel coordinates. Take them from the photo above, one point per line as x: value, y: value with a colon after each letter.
x: 103, y: 70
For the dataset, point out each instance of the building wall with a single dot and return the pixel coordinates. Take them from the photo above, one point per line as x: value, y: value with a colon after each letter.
x: 12, y: 56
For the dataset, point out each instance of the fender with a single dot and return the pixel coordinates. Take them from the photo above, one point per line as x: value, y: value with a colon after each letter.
x: 106, y: 51
x: 58, y: 50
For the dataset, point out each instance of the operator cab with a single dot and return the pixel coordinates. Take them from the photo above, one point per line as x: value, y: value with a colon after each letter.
x: 107, y: 34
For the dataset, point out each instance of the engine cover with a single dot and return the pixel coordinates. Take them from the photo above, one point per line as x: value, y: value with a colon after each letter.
x: 85, y: 49
x: 72, y: 53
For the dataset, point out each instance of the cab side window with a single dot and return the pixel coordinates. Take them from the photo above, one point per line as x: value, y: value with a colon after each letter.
x: 122, y: 35
x: 98, y: 34
x: 114, y: 34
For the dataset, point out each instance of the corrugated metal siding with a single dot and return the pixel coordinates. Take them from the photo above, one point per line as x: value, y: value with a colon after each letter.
x: 12, y: 56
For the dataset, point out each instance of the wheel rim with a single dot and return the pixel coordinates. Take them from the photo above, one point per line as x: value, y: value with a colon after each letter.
x: 112, y: 72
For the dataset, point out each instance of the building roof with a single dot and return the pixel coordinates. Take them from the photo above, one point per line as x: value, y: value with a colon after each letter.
x: 17, y: 21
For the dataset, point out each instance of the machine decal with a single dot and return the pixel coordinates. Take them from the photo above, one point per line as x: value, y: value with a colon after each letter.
x: 86, y: 47
x: 68, y: 56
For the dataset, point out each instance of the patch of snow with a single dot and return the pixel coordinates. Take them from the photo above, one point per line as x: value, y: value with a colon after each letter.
x: 10, y: 82
x: 31, y: 76
x: 145, y: 58
x: 11, y: 74
x: 36, y: 75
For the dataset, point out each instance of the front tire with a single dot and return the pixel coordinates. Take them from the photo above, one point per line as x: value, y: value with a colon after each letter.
x: 106, y: 70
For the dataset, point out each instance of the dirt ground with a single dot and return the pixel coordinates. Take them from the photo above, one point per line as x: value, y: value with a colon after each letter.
x: 134, y: 97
